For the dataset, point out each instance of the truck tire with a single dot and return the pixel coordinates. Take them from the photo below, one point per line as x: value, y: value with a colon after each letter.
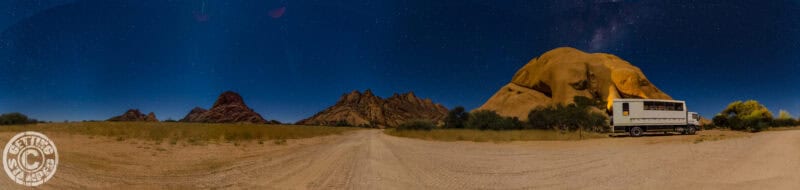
x: 691, y: 130
x: 636, y: 131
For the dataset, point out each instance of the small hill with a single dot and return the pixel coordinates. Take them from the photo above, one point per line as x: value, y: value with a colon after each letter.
x: 229, y: 108
x: 359, y: 109
x: 563, y: 73
x: 135, y: 115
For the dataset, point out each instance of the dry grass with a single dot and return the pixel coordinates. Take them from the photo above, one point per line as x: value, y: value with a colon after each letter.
x: 718, y: 134
x: 783, y: 128
x: 192, y: 133
x: 493, y: 136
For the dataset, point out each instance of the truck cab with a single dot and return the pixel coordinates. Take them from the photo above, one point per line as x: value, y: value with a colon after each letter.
x: 694, y: 118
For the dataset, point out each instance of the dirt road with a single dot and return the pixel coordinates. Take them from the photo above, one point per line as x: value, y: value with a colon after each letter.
x: 369, y: 159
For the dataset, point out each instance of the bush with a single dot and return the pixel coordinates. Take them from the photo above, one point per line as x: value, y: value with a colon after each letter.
x: 456, y: 118
x: 720, y: 120
x: 570, y: 117
x: 749, y: 115
x: 784, y: 120
x: 15, y: 118
x: 490, y: 120
x: 342, y: 123
x: 416, y: 124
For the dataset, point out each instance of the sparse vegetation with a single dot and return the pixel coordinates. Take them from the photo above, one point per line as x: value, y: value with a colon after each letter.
x: 192, y: 133
x: 417, y: 124
x: 15, y: 118
x: 456, y: 118
x: 784, y: 120
x: 490, y: 120
x: 572, y: 117
x: 492, y: 135
x: 342, y: 123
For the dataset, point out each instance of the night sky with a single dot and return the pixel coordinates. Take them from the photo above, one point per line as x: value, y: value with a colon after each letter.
x: 92, y: 59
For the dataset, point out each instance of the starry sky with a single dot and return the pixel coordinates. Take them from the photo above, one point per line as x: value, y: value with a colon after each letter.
x: 93, y: 59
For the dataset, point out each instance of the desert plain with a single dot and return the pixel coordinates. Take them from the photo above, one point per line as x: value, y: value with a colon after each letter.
x: 371, y: 159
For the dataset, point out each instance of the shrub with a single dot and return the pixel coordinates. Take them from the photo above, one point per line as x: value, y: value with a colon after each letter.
x: 570, y: 117
x: 417, y: 124
x: 784, y: 120
x: 720, y: 120
x: 490, y: 120
x: 749, y: 115
x: 586, y: 102
x: 15, y: 118
x: 342, y: 123
x: 456, y: 118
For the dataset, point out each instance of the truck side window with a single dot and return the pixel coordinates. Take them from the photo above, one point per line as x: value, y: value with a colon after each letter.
x: 625, y: 109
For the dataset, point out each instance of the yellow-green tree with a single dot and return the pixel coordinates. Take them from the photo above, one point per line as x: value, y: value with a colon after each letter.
x: 784, y: 119
x: 748, y: 115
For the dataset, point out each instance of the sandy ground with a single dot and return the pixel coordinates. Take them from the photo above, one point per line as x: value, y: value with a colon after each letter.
x: 369, y: 159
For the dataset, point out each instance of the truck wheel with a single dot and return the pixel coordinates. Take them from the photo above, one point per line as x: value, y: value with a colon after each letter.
x: 636, y: 131
x: 692, y: 130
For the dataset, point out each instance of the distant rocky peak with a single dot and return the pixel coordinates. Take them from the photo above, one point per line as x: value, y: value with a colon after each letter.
x: 134, y: 115
x: 133, y: 112
x: 358, y: 109
x: 356, y: 97
x: 229, y: 108
x: 229, y: 98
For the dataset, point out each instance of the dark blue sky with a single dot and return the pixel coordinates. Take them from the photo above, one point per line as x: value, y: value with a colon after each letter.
x: 92, y: 59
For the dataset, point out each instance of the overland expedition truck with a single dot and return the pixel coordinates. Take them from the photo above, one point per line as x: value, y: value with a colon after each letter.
x: 638, y: 116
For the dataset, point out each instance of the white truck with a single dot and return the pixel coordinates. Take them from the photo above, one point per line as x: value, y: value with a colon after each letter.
x: 639, y: 116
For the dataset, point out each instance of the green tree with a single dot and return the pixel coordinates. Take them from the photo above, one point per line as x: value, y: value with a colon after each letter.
x: 748, y: 115
x: 490, y: 120
x: 456, y: 118
x: 577, y: 116
x: 15, y: 118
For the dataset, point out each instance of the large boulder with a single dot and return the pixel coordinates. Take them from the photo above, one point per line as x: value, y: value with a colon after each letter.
x: 563, y: 73
x: 367, y: 109
x: 135, y: 115
x: 229, y: 108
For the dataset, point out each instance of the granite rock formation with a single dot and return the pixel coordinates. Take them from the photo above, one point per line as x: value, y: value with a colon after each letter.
x: 135, y: 115
x: 367, y: 109
x: 563, y: 73
x: 229, y: 108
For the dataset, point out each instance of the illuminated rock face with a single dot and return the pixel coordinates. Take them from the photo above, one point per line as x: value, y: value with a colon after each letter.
x: 563, y: 73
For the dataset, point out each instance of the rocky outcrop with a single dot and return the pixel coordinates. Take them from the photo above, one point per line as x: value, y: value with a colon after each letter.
x: 229, y: 108
x: 194, y: 115
x: 135, y: 115
x: 151, y: 117
x: 563, y: 73
x: 366, y: 109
